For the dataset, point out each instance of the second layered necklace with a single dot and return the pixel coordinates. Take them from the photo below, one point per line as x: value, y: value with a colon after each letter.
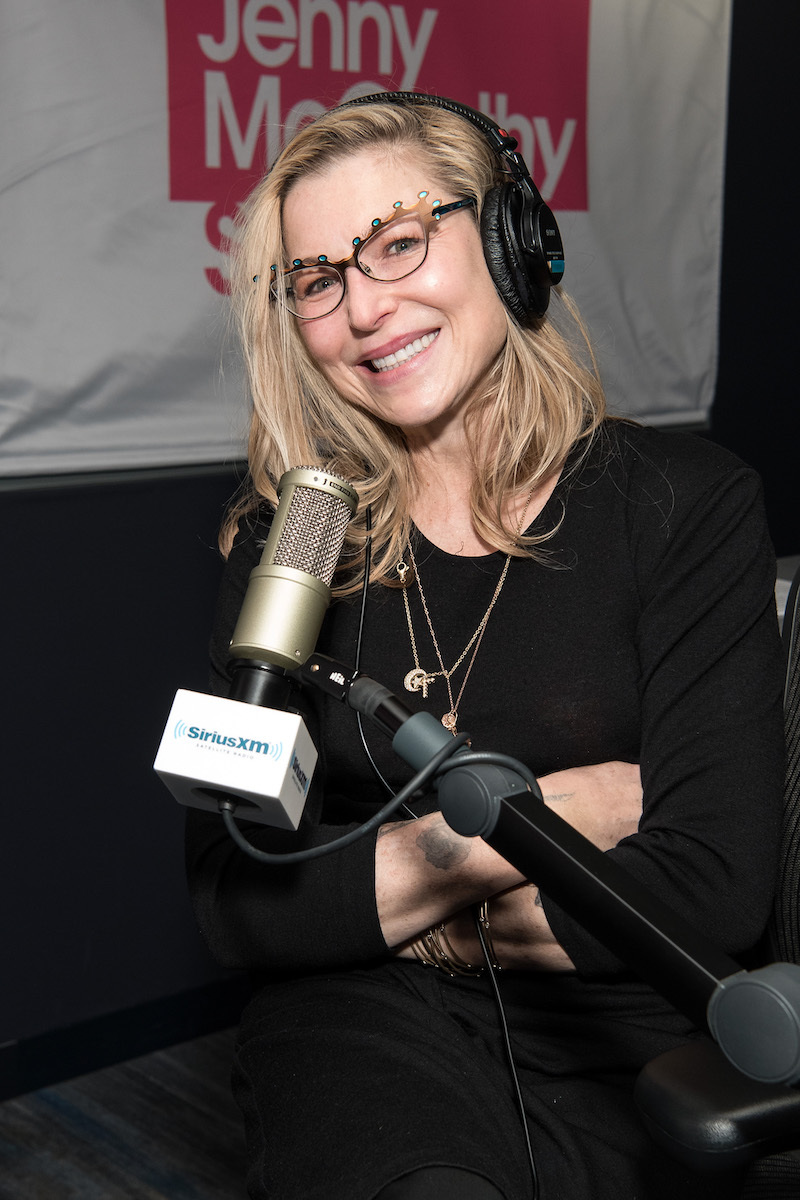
x: 418, y: 679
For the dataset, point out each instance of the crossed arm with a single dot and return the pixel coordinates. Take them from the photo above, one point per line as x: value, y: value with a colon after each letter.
x: 426, y: 874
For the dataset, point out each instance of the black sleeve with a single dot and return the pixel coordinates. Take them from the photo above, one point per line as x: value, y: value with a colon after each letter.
x: 711, y: 676
x: 275, y: 918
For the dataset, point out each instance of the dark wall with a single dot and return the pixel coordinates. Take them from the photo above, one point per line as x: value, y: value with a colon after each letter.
x: 108, y: 594
x: 755, y: 412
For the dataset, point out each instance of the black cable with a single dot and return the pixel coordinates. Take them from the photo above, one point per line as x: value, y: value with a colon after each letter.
x: 359, y: 640
x: 504, y: 760
x: 227, y: 809
x: 512, y: 1066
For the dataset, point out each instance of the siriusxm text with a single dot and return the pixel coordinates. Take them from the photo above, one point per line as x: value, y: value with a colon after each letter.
x: 233, y: 740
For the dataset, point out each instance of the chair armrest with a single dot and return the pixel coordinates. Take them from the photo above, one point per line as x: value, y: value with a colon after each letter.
x: 708, y: 1115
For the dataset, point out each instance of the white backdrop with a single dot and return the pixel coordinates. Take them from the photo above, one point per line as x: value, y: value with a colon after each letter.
x: 131, y: 127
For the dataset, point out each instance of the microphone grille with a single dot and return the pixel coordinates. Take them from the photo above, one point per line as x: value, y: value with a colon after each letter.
x: 313, y: 534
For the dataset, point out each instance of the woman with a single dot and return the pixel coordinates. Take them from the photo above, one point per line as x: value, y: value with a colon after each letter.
x: 587, y: 596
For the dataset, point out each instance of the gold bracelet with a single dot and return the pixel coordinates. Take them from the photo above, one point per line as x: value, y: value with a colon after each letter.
x: 420, y: 948
x: 430, y: 951
x: 451, y: 956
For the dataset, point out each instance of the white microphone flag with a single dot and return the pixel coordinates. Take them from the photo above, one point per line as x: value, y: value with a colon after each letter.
x: 260, y: 758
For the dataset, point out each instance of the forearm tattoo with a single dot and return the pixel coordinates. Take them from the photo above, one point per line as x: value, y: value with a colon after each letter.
x: 441, y: 849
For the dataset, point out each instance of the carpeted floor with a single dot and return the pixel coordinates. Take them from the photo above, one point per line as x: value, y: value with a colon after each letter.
x: 161, y: 1127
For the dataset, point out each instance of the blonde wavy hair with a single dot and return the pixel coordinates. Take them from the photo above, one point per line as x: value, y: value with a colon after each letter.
x: 541, y: 397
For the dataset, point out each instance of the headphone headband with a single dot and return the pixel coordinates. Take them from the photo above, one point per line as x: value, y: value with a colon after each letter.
x: 521, y: 240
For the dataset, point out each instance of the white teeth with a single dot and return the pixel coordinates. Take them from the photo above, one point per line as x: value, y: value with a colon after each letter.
x: 402, y: 355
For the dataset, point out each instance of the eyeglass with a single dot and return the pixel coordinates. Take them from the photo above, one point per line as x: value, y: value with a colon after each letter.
x: 392, y: 250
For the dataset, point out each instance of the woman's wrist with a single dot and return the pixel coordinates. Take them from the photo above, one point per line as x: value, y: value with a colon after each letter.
x: 425, y: 872
x: 444, y: 946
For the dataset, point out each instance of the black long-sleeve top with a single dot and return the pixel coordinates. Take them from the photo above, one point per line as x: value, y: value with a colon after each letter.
x: 648, y: 634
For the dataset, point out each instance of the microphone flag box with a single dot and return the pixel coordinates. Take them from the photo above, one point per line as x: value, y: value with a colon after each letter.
x: 261, y: 759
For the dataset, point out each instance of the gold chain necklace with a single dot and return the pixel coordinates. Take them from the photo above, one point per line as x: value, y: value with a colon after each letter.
x: 419, y: 679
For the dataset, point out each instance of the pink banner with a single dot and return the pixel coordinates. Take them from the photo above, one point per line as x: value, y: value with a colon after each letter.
x: 244, y: 75
x: 619, y: 107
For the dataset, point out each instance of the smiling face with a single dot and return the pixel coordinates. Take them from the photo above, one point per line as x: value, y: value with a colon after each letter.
x: 415, y: 350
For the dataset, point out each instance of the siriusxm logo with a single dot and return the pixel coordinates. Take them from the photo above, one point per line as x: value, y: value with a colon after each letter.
x: 300, y: 777
x: 229, y: 741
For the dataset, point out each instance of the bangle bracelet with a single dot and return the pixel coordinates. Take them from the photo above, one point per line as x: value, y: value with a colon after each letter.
x: 434, y: 949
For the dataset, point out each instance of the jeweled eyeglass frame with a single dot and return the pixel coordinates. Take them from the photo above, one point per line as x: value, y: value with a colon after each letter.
x: 281, y: 279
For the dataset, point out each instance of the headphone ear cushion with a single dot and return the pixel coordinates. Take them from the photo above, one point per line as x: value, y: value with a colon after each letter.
x: 524, y: 298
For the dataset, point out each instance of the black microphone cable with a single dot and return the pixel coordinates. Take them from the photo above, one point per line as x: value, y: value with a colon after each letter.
x: 359, y: 640
x: 228, y: 807
x: 509, y: 1052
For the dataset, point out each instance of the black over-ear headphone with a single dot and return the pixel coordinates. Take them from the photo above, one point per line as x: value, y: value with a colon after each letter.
x: 521, y: 241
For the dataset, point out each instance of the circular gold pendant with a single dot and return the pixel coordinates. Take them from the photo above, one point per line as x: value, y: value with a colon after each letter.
x: 417, y: 681
x: 449, y: 721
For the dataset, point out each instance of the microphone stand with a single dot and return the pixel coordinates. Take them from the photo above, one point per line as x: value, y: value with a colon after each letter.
x: 754, y: 1016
